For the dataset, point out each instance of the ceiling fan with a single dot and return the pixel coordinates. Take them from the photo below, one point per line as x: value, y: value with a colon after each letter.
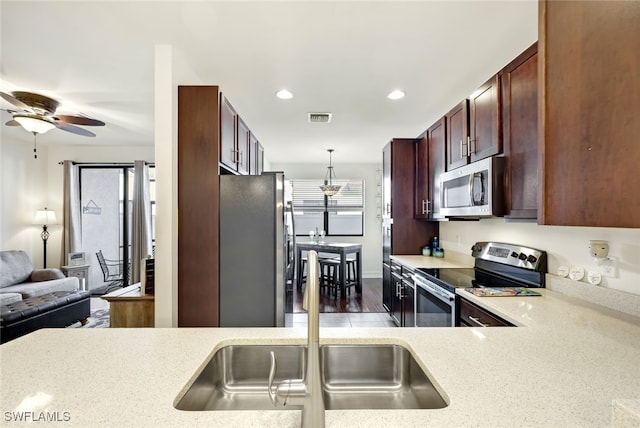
x: 37, y: 115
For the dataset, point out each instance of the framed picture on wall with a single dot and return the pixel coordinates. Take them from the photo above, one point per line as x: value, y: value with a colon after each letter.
x: 76, y: 259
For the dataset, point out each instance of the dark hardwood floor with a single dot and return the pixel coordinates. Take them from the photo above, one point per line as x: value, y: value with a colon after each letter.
x: 370, y: 300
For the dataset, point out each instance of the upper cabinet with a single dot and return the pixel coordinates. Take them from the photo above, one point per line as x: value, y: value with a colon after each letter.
x: 589, y: 113
x: 430, y: 163
x: 228, y: 133
x: 485, y: 135
x: 519, y: 103
x: 473, y: 126
x: 457, y: 124
x: 237, y: 152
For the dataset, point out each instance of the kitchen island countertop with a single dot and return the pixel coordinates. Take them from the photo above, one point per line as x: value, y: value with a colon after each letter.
x: 569, y: 365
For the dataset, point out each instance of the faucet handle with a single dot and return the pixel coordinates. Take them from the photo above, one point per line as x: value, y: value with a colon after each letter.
x: 285, y: 392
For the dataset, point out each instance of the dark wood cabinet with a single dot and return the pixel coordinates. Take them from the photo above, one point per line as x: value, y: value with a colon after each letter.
x: 235, y: 140
x: 228, y: 134
x: 519, y: 103
x: 396, y: 299
x: 590, y: 105
x: 407, y: 235
x: 242, y: 147
x: 472, y: 315
x: 457, y: 125
x: 485, y: 135
x: 198, y: 203
x: 253, y: 155
x: 402, y: 233
x: 473, y: 126
x: 430, y: 163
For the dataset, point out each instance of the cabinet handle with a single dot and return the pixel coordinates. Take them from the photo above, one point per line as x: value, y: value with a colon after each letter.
x: 463, y: 151
x: 424, y: 207
x: 477, y: 321
x: 469, y: 142
x: 239, y: 161
x: 388, y: 208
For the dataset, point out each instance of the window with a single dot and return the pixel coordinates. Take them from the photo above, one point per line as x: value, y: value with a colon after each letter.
x: 341, y: 214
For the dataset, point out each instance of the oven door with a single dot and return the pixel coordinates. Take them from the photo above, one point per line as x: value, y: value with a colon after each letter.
x: 435, y: 306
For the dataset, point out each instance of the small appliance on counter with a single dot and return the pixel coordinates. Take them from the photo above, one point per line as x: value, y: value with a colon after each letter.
x: 508, y: 269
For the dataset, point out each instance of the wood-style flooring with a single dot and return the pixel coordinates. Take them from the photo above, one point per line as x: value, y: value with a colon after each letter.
x: 369, y: 301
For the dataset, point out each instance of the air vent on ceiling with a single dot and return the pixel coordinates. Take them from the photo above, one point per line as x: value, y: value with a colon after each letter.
x: 319, y: 117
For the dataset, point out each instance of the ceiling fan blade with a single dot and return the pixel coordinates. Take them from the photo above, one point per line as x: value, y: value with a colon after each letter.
x: 74, y: 129
x: 16, y: 102
x: 78, y: 120
x: 12, y: 122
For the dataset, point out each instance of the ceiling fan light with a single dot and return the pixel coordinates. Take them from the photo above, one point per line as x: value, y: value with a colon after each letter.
x: 34, y: 125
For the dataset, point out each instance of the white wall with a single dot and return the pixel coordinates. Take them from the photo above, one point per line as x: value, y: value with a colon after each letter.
x: 372, y: 239
x: 566, y: 246
x: 23, y: 185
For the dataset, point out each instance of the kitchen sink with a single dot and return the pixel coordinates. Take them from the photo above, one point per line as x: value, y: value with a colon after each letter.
x: 353, y: 377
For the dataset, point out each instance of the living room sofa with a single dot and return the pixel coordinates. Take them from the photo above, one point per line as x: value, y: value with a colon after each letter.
x: 19, y: 280
x: 31, y: 299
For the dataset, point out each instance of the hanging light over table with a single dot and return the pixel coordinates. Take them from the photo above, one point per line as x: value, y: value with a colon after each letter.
x: 330, y: 189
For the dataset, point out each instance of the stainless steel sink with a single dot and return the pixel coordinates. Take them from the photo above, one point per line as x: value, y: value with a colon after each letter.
x: 353, y: 377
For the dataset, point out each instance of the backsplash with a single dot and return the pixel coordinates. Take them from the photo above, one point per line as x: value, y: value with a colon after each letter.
x: 565, y: 246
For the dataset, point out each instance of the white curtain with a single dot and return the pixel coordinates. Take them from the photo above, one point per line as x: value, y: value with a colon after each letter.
x: 71, y: 220
x: 141, y: 246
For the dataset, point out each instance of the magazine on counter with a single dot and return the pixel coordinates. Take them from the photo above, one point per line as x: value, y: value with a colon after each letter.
x: 502, y: 291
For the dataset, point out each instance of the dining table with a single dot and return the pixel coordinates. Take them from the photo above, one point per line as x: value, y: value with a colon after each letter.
x: 342, y: 249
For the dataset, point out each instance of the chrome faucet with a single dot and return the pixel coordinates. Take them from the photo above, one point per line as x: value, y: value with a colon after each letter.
x: 308, y: 391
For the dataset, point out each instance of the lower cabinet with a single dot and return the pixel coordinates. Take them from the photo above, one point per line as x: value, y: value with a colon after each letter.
x: 402, y: 295
x: 472, y: 315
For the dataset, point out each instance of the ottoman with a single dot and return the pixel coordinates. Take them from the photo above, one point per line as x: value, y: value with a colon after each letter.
x: 56, y: 309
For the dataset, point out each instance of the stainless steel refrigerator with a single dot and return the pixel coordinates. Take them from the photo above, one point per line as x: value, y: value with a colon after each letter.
x: 253, y: 250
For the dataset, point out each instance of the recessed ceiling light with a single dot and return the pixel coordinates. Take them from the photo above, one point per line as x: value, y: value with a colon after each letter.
x: 283, y: 94
x: 396, y: 94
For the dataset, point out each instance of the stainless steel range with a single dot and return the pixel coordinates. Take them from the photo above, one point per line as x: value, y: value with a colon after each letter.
x: 496, y: 265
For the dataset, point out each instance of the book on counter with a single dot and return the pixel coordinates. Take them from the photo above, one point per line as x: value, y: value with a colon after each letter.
x: 502, y: 291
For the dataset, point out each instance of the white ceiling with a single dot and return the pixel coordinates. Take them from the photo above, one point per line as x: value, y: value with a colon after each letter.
x: 97, y: 58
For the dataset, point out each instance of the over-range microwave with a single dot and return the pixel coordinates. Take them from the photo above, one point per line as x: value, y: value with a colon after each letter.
x: 474, y: 190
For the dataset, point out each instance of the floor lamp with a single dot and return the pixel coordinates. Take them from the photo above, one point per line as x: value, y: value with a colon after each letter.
x: 46, y: 218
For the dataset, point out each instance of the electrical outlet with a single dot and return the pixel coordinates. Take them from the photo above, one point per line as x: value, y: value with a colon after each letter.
x: 609, y: 267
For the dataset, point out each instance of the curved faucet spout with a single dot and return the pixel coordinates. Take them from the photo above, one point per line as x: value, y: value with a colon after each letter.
x: 309, y: 392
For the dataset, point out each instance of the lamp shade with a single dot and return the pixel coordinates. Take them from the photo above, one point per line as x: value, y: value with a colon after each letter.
x: 34, y: 124
x: 45, y: 217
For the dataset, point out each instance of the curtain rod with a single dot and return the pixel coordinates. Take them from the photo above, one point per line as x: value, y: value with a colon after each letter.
x: 106, y: 163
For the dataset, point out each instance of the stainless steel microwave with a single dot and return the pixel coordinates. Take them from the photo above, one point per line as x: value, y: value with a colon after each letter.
x: 475, y: 190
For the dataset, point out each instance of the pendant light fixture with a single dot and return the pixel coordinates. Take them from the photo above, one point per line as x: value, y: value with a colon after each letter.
x: 330, y: 189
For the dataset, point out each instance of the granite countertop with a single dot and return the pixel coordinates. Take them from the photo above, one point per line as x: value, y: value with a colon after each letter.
x: 450, y: 261
x: 570, y: 364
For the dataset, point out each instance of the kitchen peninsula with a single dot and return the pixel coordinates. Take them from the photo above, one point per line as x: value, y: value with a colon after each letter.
x: 571, y: 363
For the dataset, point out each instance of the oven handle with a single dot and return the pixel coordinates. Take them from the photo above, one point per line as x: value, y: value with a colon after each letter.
x: 436, y: 291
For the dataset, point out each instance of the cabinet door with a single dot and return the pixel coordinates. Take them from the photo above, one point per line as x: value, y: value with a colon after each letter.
x: 423, y: 182
x: 227, y: 134
x: 457, y: 135
x: 242, y: 149
x: 386, y: 182
x: 253, y: 154
x: 485, y: 136
x: 519, y: 94
x: 259, y: 159
x: 387, y: 288
x: 437, y: 136
x: 590, y: 99
x: 408, y: 309
x: 396, y: 287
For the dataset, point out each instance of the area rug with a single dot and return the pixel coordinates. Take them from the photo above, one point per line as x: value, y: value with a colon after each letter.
x: 97, y: 319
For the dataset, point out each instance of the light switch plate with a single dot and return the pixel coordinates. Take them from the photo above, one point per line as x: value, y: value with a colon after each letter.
x: 609, y: 267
